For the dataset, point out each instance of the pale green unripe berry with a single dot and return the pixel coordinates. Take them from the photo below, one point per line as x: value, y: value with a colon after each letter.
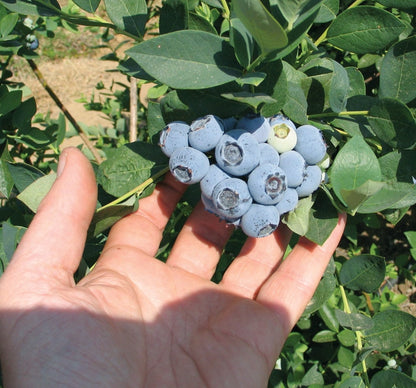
x: 282, y: 138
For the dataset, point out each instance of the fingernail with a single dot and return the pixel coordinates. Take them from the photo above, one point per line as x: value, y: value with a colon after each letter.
x: 61, y: 164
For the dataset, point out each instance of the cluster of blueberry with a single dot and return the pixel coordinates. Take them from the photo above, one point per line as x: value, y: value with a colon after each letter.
x: 251, y: 171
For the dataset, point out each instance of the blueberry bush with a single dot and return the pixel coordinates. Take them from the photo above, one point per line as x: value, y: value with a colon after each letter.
x: 344, y: 69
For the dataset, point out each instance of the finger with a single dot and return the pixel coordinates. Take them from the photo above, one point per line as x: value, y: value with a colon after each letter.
x: 143, y: 229
x: 289, y: 289
x: 200, y: 243
x: 257, y: 260
x: 55, y: 239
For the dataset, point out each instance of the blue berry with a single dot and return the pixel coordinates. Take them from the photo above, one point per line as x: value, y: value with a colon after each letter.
x: 310, y: 144
x: 231, y: 198
x: 288, y: 201
x: 188, y: 165
x: 311, y: 181
x: 229, y: 123
x: 283, y: 135
x: 293, y: 164
x: 212, y: 177
x: 267, y: 183
x: 268, y: 154
x: 257, y: 125
x: 260, y: 220
x: 205, y: 133
x: 237, y: 152
x: 32, y: 42
x: 174, y: 136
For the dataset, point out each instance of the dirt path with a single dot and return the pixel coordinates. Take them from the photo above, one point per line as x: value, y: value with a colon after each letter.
x: 71, y: 78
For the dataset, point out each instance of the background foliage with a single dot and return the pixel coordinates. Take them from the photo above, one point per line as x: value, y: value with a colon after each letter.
x: 346, y: 67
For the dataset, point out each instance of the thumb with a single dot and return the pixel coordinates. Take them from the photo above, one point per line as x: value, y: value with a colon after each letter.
x: 55, y: 239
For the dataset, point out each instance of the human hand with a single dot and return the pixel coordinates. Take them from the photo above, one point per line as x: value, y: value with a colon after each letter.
x: 134, y: 321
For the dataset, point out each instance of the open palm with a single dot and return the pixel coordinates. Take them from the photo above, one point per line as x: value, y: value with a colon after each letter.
x: 135, y: 321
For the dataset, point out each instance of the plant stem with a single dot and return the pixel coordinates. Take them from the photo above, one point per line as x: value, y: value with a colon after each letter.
x: 358, y: 334
x: 133, y: 110
x: 137, y: 190
x: 226, y: 9
x: 255, y: 63
x: 64, y: 110
x: 324, y: 34
x: 337, y: 114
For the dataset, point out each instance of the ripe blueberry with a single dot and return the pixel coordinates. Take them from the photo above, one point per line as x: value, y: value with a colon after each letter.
x: 268, y: 154
x: 288, y: 201
x: 255, y: 124
x: 237, y: 152
x: 212, y: 177
x: 188, y: 165
x: 260, y: 220
x: 205, y: 133
x: 173, y: 136
x: 310, y: 144
x: 231, y: 198
x: 293, y: 164
x: 267, y: 183
x: 311, y: 181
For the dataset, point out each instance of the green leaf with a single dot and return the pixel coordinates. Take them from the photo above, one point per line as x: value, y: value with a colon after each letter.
x: 364, y: 29
x: 345, y: 357
x: 266, y: 30
x: 356, y: 197
x: 324, y: 290
x: 291, y: 10
x: 7, y: 23
x: 397, y: 78
x: 173, y: 16
x: 401, y: 4
x: 298, y: 220
x: 353, y: 382
x: 6, y: 180
x: 104, y: 218
x: 411, y: 237
x: 253, y: 78
x: 322, y: 221
x: 399, y: 166
x: 187, y: 59
x: 88, y: 5
x: 33, y: 194
x: 9, y: 99
x: 327, y: 314
x: 329, y: 11
x: 242, y: 41
x: 33, y: 7
x: 187, y: 105
x: 363, y: 273
x: 393, y: 123
x: 392, y: 329
x: 354, y: 321
x: 127, y: 15
x: 129, y: 166
x: 347, y: 337
x: 24, y: 175
x: 296, y: 104
x: 300, y: 27
x: 354, y: 165
x: 389, y: 378
x: 324, y: 336
x: 11, y: 235
x: 251, y: 99
x: 155, y: 122
x: 393, y: 195
x: 312, y: 376
x: 328, y: 85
